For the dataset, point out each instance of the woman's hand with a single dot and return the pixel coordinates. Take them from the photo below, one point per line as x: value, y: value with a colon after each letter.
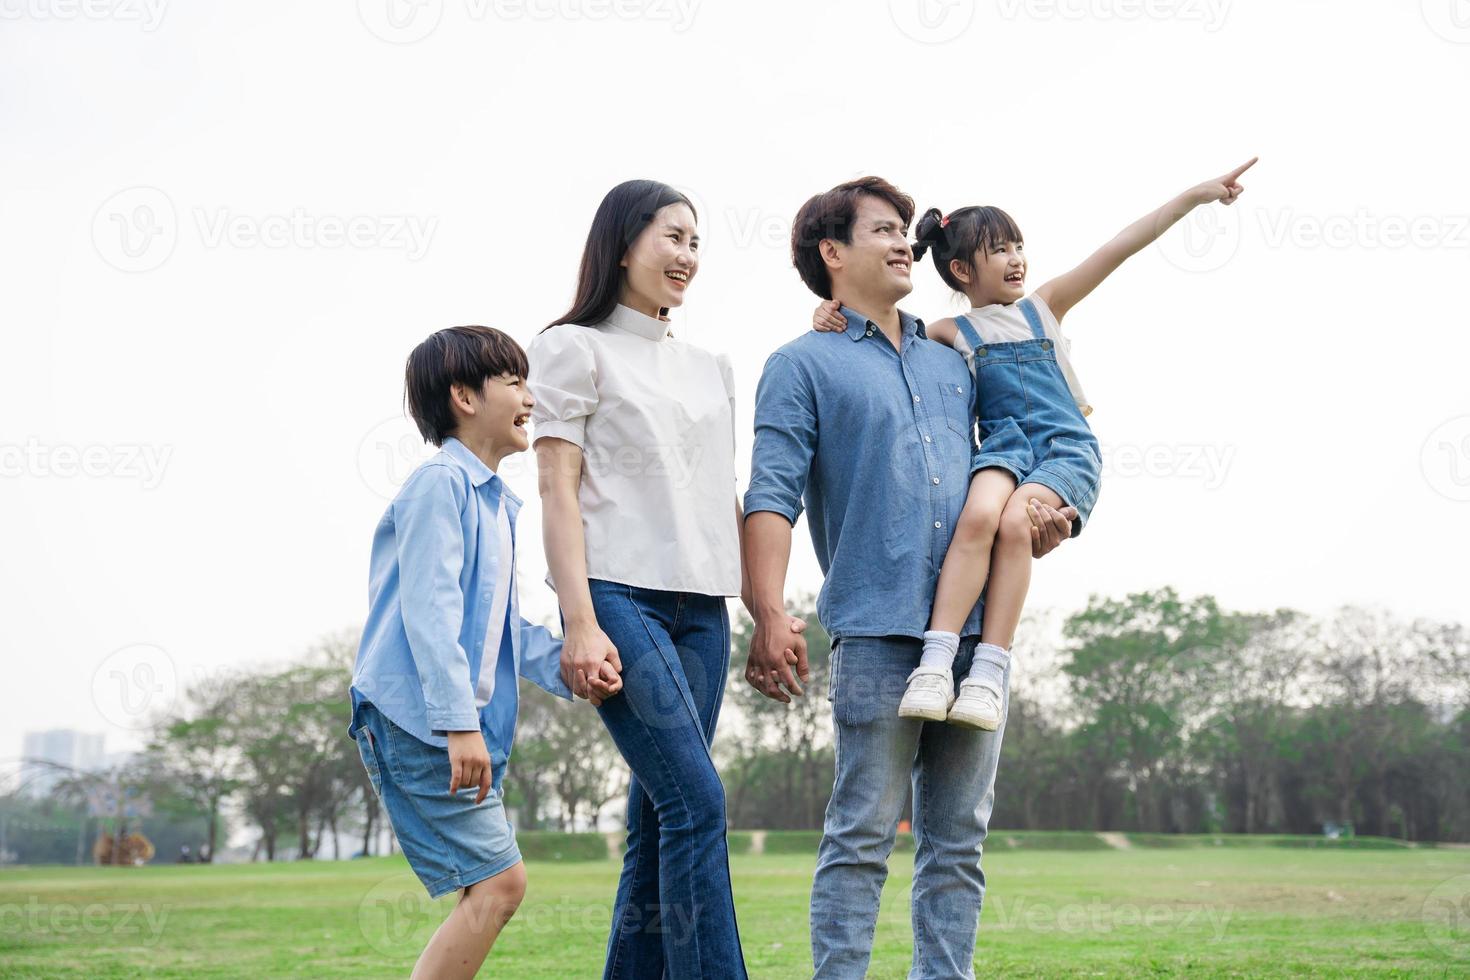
x: 828, y: 318
x: 1223, y: 189
x: 589, y: 663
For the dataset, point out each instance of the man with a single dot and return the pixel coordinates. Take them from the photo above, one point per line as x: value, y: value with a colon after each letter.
x: 870, y: 430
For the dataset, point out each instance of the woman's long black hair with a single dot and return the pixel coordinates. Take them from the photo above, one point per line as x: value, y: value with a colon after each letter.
x: 621, y: 217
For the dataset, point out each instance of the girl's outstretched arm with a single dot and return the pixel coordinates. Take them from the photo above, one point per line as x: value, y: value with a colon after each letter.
x: 1068, y: 289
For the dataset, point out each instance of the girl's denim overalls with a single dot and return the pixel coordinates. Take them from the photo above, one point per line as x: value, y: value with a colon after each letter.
x: 1030, y: 424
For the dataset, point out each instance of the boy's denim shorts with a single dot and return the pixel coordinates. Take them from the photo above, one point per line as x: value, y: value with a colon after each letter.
x: 449, y: 841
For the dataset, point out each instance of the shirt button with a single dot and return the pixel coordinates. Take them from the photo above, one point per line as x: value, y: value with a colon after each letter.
x: 927, y: 439
x: 936, y: 481
x: 958, y: 390
x: 937, y: 524
x: 916, y: 398
x: 869, y: 333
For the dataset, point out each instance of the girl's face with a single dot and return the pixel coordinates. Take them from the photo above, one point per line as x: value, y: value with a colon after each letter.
x: 999, y: 274
x: 662, y: 261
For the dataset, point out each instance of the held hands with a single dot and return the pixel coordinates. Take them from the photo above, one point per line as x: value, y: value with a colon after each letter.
x: 828, y: 318
x: 1223, y: 189
x: 777, y: 648
x: 590, y: 665
x: 469, y: 763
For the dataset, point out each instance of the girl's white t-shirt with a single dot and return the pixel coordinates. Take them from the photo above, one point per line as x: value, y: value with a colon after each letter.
x: 1004, y: 323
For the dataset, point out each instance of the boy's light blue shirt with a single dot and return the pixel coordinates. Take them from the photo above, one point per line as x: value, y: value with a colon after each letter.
x: 876, y: 445
x: 431, y: 588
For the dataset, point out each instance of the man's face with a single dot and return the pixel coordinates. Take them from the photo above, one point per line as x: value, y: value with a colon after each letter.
x: 878, y: 257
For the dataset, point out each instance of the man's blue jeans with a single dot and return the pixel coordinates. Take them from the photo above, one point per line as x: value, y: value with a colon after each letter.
x: 879, y: 755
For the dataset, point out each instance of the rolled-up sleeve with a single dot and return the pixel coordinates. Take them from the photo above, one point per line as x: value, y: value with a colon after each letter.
x: 785, y: 439
x: 431, y: 548
x: 563, y: 380
x: 541, y: 659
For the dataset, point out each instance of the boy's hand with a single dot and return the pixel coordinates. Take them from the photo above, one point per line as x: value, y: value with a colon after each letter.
x: 828, y: 318
x: 1224, y: 189
x: 469, y: 763
x: 584, y: 652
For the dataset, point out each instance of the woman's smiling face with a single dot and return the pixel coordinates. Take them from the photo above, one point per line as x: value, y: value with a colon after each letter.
x: 661, y: 261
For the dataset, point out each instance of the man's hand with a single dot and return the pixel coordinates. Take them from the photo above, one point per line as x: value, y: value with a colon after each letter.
x: 1049, y: 527
x: 778, y: 657
x: 469, y: 763
x: 589, y: 663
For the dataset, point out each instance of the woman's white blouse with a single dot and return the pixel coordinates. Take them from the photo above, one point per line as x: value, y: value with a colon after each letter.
x: 655, y: 418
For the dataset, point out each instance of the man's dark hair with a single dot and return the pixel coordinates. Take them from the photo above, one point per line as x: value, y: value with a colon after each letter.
x: 468, y: 356
x: 831, y: 215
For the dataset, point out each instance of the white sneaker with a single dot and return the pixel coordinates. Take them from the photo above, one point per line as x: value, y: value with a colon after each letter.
x: 929, y: 696
x: 978, y: 706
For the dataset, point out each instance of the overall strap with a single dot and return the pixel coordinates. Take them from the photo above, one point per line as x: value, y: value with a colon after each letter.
x: 1032, y: 317
x: 972, y: 337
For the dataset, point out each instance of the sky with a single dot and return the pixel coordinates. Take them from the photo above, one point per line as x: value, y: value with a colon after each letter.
x: 224, y: 227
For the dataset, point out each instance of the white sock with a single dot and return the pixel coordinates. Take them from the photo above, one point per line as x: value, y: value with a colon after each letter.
x: 989, y: 666
x: 939, y: 649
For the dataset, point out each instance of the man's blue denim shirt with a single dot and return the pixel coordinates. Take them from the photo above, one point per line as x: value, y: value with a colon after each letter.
x: 876, y: 443
x: 435, y: 564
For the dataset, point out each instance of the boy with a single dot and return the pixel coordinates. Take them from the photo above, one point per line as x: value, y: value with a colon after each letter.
x: 434, y: 689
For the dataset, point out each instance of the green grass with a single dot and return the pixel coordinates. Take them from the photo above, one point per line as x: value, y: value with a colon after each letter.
x: 1233, y: 910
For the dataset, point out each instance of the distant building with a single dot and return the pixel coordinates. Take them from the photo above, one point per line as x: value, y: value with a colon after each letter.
x: 62, y: 747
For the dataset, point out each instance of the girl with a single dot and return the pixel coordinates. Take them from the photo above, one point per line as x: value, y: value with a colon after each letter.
x: 1035, y: 443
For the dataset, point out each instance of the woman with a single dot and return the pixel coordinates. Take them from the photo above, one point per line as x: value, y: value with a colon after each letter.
x: 635, y: 444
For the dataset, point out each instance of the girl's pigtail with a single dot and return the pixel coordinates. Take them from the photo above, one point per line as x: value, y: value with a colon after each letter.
x: 928, y: 232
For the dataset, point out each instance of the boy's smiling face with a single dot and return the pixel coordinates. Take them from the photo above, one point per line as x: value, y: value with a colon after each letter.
x: 494, y: 418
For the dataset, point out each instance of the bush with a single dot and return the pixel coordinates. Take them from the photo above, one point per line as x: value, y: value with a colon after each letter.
x: 550, y: 845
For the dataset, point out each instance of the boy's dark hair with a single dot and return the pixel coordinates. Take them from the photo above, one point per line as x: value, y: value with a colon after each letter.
x: 961, y: 235
x: 830, y: 215
x: 456, y: 355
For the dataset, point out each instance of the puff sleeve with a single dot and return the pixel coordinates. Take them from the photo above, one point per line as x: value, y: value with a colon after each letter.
x: 563, y: 380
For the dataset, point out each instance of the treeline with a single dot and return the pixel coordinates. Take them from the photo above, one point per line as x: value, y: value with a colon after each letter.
x: 1156, y: 713
x: 1149, y: 713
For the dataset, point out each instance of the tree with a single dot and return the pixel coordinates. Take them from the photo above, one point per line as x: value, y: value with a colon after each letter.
x: 1141, y: 670
x: 778, y: 769
x: 193, y: 751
